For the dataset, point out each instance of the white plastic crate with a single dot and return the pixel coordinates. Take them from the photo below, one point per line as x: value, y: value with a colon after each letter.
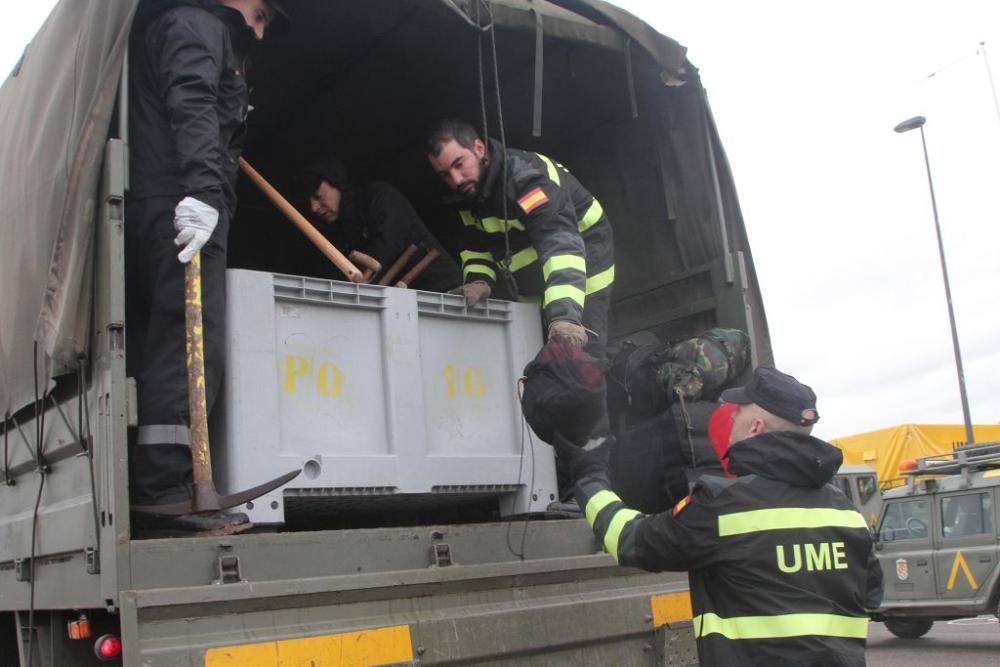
x: 375, y: 393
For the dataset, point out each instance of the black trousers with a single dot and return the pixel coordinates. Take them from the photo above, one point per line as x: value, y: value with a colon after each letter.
x: 595, y: 318
x: 160, y: 452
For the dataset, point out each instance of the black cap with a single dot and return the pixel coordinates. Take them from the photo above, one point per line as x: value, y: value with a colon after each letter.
x: 778, y: 393
x: 281, y: 20
x: 325, y: 167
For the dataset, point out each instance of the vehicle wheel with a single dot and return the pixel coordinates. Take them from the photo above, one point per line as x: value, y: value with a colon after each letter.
x: 908, y: 628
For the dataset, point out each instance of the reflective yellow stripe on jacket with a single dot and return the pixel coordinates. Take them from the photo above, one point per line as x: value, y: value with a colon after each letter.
x: 601, y: 280
x: 612, y: 536
x: 551, y: 167
x: 594, y: 211
x: 562, y: 262
x: 781, y: 625
x: 591, y: 217
x: 740, y: 523
x: 557, y: 292
x: 469, y: 256
x: 490, y: 225
x: 523, y: 258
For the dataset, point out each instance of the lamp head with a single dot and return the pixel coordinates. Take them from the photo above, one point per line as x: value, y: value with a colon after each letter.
x: 910, y: 124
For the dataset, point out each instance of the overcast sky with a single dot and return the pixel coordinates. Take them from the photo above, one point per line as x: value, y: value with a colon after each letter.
x: 836, y: 204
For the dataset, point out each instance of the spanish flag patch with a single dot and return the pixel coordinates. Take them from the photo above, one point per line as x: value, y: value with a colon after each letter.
x: 533, y: 200
x: 681, y: 505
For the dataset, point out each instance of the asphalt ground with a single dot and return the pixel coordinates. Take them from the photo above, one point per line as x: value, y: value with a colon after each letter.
x: 968, y: 642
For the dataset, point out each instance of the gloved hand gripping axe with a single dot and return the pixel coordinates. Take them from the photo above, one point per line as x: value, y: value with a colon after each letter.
x: 205, y: 499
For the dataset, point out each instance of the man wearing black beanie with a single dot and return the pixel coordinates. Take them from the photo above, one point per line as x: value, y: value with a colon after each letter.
x: 375, y: 219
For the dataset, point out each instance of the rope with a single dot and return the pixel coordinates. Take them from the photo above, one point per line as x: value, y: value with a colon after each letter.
x: 85, y: 436
x: 688, y: 426
x: 531, y: 487
x: 503, y: 143
x: 482, y: 86
x: 39, y: 451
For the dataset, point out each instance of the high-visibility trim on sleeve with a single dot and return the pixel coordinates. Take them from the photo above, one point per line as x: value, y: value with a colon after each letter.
x: 781, y: 625
x: 470, y: 255
x: 597, y: 502
x: 591, y: 217
x: 477, y: 262
x: 601, y: 280
x: 551, y: 167
x: 780, y: 518
x: 615, y: 528
x: 468, y: 219
x: 557, y: 292
x: 523, y: 258
x: 561, y: 262
x: 481, y: 269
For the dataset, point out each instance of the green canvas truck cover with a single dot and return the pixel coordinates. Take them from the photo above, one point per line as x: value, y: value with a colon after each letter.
x: 57, y: 106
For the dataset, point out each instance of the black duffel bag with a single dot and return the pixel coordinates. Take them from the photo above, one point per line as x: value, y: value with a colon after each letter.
x: 655, y: 462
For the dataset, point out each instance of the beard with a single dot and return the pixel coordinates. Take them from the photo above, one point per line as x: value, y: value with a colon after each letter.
x: 468, y: 189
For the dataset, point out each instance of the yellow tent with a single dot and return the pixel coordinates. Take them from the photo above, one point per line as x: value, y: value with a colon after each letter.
x: 885, y: 448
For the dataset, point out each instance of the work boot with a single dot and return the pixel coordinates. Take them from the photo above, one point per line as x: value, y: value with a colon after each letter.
x: 190, y: 525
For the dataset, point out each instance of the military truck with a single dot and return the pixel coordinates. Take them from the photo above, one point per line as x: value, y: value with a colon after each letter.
x: 938, y: 541
x: 859, y: 482
x: 478, y: 581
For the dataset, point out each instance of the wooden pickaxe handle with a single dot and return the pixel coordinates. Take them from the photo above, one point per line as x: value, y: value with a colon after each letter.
x: 431, y: 255
x: 204, y: 498
x: 313, y: 234
x: 398, y: 265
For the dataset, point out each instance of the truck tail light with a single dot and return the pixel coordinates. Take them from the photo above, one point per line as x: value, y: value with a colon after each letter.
x: 108, y: 647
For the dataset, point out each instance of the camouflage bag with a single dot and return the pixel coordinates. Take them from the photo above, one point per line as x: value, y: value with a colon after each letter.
x: 700, y: 368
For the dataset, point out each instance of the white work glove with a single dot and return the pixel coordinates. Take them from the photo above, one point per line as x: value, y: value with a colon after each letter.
x: 475, y: 292
x: 194, y: 221
x: 571, y: 331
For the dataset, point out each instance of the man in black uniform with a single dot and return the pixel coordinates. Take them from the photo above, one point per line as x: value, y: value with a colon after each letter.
x: 373, y: 218
x: 529, y: 218
x: 186, y: 114
x: 782, y: 567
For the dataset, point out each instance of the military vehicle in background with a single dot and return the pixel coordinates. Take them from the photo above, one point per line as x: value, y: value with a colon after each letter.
x: 938, y: 541
x: 859, y: 482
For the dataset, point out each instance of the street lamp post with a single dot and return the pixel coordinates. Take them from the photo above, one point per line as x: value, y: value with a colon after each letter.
x: 917, y: 122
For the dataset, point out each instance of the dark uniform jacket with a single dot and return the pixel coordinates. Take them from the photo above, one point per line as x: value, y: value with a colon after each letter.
x: 781, y: 564
x: 180, y: 58
x: 560, y: 239
x: 377, y: 219
x: 188, y: 103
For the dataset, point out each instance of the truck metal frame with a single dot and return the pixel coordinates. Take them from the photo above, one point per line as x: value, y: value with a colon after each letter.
x: 525, y: 591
